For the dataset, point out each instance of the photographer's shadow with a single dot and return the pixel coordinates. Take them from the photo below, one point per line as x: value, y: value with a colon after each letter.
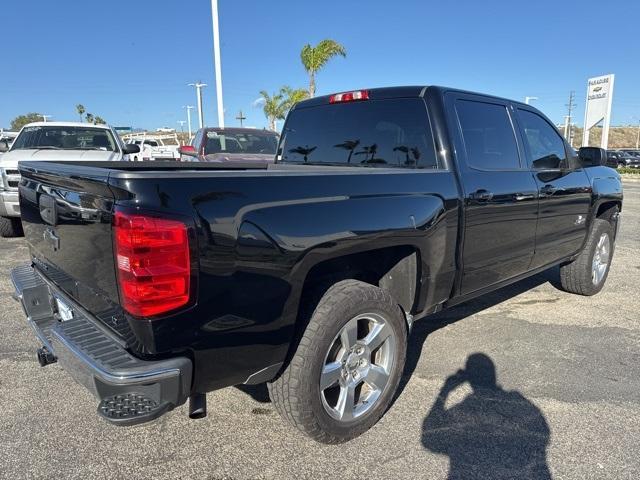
x: 492, y: 433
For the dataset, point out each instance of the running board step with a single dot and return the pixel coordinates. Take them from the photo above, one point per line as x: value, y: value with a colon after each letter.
x: 131, y: 409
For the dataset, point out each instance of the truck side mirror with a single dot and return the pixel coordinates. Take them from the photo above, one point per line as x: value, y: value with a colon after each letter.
x: 592, y: 156
x: 131, y: 148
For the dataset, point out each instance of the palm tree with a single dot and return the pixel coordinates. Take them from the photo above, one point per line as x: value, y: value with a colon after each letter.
x: 80, y: 109
x: 99, y: 120
x: 314, y: 58
x: 291, y: 96
x: 273, y: 107
x: 89, y: 117
x: 349, y: 145
x: 370, y: 150
x: 304, y: 151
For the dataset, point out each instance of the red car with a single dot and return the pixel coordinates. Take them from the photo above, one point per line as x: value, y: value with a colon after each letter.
x: 231, y: 145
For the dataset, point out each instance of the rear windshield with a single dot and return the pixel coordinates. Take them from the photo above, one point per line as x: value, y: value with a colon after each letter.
x: 380, y: 133
x: 228, y: 142
x: 65, y: 138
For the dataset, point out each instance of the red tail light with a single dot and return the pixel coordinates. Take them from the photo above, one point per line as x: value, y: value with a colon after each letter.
x: 349, y: 96
x: 152, y: 259
x: 186, y: 149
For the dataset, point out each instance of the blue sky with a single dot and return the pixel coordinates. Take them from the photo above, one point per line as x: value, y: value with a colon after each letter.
x: 130, y: 61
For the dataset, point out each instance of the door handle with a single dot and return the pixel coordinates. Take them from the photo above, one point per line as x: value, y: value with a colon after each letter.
x: 524, y: 196
x: 548, y: 190
x: 481, y: 195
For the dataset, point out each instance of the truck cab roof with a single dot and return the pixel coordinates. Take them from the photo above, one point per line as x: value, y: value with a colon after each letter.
x: 383, y: 93
x: 68, y: 124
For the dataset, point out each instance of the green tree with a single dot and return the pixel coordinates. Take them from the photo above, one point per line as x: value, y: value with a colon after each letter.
x: 80, y: 109
x: 273, y: 107
x: 291, y: 96
x: 21, y: 120
x: 314, y: 58
x: 99, y: 120
x: 89, y: 117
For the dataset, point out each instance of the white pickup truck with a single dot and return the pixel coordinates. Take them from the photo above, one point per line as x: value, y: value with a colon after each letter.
x: 53, y: 141
x: 155, y: 147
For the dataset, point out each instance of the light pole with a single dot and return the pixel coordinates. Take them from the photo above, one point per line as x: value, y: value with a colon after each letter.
x: 44, y: 117
x: 217, y: 61
x: 199, y: 86
x: 528, y: 99
x: 182, y: 122
x: 188, y: 108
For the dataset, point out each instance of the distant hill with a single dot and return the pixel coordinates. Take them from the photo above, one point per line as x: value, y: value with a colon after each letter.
x: 619, y: 137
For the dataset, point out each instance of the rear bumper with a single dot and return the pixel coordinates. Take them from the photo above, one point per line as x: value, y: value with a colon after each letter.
x: 130, y: 390
x: 9, y: 204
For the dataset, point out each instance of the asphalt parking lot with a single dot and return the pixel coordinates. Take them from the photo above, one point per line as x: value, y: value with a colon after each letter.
x: 567, y: 400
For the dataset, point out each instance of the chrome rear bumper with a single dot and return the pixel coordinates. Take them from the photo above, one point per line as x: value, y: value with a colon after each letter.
x: 130, y: 390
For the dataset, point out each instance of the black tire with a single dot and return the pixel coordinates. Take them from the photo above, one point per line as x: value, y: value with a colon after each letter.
x: 296, y: 392
x: 578, y: 276
x: 10, y: 227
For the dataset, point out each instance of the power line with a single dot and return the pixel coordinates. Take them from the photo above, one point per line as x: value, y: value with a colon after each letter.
x: 568, y: 126
x: 241, y: 117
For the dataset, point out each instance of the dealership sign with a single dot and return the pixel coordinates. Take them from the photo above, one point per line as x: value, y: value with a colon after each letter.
x: 598, y: 108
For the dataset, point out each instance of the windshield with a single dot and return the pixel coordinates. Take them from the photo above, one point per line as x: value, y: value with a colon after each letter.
x: 244, y: 142
x: 380, y: 133
x: 65, y: 138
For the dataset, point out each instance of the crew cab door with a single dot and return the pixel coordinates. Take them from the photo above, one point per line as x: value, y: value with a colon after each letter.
x: 500, y: 194
x: 563, y: 185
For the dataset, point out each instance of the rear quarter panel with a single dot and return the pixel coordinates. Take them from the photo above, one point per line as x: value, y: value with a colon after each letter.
x: 260, y: 233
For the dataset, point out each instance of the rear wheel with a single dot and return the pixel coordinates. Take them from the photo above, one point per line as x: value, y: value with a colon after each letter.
x: 587, y: 274
x: 10, y: 227
x: 347, y: 365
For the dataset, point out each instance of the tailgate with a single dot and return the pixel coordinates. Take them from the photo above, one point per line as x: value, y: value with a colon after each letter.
x: 66, y: 214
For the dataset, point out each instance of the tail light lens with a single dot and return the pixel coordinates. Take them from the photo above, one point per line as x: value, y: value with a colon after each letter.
x: 153, y: 263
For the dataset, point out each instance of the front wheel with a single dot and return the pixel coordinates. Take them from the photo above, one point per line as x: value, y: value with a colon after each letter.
x: 347, y: 365
x: 587, y: 274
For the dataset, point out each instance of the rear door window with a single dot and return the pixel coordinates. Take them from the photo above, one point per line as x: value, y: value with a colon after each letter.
x: 377, y: 133
x: 489, y: 138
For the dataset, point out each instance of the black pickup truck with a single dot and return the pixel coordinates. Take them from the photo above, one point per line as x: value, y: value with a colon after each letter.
x: 155, y: 283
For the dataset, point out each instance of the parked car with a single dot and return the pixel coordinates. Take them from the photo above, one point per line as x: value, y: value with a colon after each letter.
x: 628, y: 158
x: 617, y: 159
x: 631, y: 157
x: 51, y: 141
x: 231, y: 145
x: 630, y: 151
x: 383, y: 207
x: 155, y: 147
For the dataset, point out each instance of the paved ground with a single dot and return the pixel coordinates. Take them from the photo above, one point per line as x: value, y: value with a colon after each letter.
x: 569, y: 399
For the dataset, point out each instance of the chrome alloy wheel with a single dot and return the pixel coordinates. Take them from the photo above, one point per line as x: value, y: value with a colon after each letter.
x: 357, y: 366
x: 600, y: 259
